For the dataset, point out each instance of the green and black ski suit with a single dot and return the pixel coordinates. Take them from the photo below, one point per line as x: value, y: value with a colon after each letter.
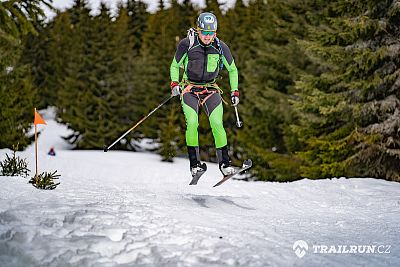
x: 202, y: 64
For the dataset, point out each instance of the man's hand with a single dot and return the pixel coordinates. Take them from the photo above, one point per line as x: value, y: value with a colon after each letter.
x: 175, y: 89
x: 235, y: 98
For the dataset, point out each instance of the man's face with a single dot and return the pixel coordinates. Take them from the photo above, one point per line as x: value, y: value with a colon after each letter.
x: 206, y: 37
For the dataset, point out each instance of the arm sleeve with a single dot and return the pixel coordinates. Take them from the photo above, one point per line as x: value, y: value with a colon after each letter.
x: 229, y: 64
x: 180, y: 55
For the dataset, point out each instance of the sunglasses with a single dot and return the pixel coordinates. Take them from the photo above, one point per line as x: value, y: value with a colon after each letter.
x: 207, y: 32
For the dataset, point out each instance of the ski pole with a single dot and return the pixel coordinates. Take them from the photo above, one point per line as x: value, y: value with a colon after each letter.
x: 239, y: 123
x: 165, y: 100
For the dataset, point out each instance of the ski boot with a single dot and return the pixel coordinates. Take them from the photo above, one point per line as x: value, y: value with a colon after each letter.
x: 224, y: 161
x: 197, y: 169
x: 226, y: 168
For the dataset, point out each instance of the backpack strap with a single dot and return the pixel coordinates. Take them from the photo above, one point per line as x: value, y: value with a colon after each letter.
x: 221, y: 53
x: 191, y: 34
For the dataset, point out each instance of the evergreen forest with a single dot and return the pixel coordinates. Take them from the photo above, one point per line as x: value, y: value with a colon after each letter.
x: 319, y: 81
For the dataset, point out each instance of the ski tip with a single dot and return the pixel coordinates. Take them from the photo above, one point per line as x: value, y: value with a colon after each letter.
x: 221, y: 182
x: 248, y: 162
x: 218, y: 184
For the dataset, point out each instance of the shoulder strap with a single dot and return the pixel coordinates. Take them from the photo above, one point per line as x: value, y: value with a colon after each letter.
x: 191, y: 33
x: 221, y: 53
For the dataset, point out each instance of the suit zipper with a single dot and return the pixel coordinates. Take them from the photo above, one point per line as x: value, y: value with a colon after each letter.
x: 204, y: 65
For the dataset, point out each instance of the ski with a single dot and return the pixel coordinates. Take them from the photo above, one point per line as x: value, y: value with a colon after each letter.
x: 247, y: 164
x: 196, y: 177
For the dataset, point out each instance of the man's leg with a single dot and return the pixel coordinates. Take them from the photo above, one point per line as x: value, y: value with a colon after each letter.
x: 214, y: 110
x: 190, y: 106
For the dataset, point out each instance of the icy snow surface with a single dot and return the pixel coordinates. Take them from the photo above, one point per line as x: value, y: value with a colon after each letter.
x: 131, y: 209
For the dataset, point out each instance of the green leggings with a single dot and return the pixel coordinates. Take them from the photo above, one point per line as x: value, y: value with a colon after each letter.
x: 214, y: 110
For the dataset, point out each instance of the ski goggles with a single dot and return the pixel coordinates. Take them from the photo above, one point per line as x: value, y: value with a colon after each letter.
x: 207, y: 32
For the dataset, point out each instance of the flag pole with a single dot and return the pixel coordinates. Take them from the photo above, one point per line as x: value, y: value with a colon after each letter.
x: 36, y: 152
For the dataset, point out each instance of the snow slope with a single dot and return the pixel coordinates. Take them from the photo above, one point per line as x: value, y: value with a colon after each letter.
x: 131, y: 209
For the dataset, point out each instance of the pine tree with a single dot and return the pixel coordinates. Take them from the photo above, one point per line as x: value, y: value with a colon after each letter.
x: 137, y: 25
x: 17, y: 94
x: 158, y: 48
x: 95, y: 120
x: 19, y: 17
x: 131, y: 21
x: 69, y: 52
x: 17, y: 98
x: 350, y: 110
x: 46, y: 51
x: 99, y: 105
x: 273, y: 61
x: 153, y: 69
x: 169, y: 135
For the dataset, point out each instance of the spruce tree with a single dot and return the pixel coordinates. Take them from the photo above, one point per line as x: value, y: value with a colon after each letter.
x: 17, y: 98
x: 273, y: 62
x: 72, y: 66
x: 19, y: 17
x: 137, y: 25
x: 130, y: 24
x: 47, y: 52
x: 350, y: 109
x: 37, y: 54
x: 100, y: 102
x: 17, y: 93
x: 157, y: 51
x: 153, y: 70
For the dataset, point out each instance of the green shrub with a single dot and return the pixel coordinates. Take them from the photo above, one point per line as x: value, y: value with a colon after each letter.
x: 45, y: 180
x: 14, y: 166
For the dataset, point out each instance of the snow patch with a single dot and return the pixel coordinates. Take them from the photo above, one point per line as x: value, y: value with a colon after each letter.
x: 130, y: 209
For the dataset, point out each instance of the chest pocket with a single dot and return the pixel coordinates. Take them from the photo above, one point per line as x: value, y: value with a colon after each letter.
x: 212, y: 62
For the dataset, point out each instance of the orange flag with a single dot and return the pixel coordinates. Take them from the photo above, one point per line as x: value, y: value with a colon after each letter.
x: 38, y: 119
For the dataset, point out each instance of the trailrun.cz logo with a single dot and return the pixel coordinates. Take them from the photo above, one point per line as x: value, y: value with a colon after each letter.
x: 300, y: 248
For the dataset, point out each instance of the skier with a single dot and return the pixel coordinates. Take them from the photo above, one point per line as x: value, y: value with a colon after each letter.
x: 52, y: 152
x: 203, y: 55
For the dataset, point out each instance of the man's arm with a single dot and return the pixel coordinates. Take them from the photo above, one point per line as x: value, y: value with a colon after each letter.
x: 177, y: 61
x: 229, y: 64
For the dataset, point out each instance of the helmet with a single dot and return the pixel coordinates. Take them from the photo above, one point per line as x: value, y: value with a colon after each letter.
x: 207, y: 21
